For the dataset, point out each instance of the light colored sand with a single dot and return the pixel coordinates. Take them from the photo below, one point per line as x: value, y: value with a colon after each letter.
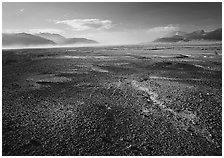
x: 51, y: 78
x: 163, y: 78
x: 99, y: 69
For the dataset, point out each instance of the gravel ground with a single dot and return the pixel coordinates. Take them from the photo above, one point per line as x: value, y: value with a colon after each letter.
x: 105, y: 101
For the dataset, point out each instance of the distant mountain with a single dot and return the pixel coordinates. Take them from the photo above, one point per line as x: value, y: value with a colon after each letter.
x: 40, y: 39
x: 176, y: 33
x: 60, y: 40
x: 215, y: 35
x: 24, y: 39
x: 196, y: 35
x: 69, y: 41
x: 175, y: 38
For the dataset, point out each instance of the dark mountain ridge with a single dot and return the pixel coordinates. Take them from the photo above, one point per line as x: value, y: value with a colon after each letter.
x: 199, y: 35
x: 61, y: 40
x: 24, y: 39
x: 40, y: 39
x: 58, y: 39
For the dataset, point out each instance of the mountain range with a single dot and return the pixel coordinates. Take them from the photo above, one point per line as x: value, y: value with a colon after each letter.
x: 41, y: 39
x: 200, y: 35
x: 60, y: 40
x: 51, y: 39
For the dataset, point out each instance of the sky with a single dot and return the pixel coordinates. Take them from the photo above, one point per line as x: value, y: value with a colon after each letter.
x: 111, y: 22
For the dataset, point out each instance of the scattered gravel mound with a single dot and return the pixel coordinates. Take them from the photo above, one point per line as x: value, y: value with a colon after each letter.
x: 152, y: 106
x: 84, y: 69
x: 176, y: 66
x: 38, y: 81
x: 48, y: 78
x: 94, y: 68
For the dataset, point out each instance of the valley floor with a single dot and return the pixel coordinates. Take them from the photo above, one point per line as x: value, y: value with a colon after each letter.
x: 128, y: 100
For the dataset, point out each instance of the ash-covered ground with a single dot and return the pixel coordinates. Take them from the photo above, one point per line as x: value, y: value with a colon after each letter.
x: 126, y: 100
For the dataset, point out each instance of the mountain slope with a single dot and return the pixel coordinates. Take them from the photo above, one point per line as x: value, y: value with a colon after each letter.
x: 24, y: 39
x: 176, y: 33
x: 58, y: 39
x: 215, y: 35
x: 69, y: 41
x: 175, y: 38
x: 40, y: 39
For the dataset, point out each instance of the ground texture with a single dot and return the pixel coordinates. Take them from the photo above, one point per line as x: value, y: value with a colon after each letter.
x: 135, y: 100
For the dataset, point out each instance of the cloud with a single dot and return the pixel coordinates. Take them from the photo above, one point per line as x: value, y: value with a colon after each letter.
x: 45, y: 31
x: 87, y: 24
x: 167, y: 28
x: 11, y: 31
x: 33, y: 31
